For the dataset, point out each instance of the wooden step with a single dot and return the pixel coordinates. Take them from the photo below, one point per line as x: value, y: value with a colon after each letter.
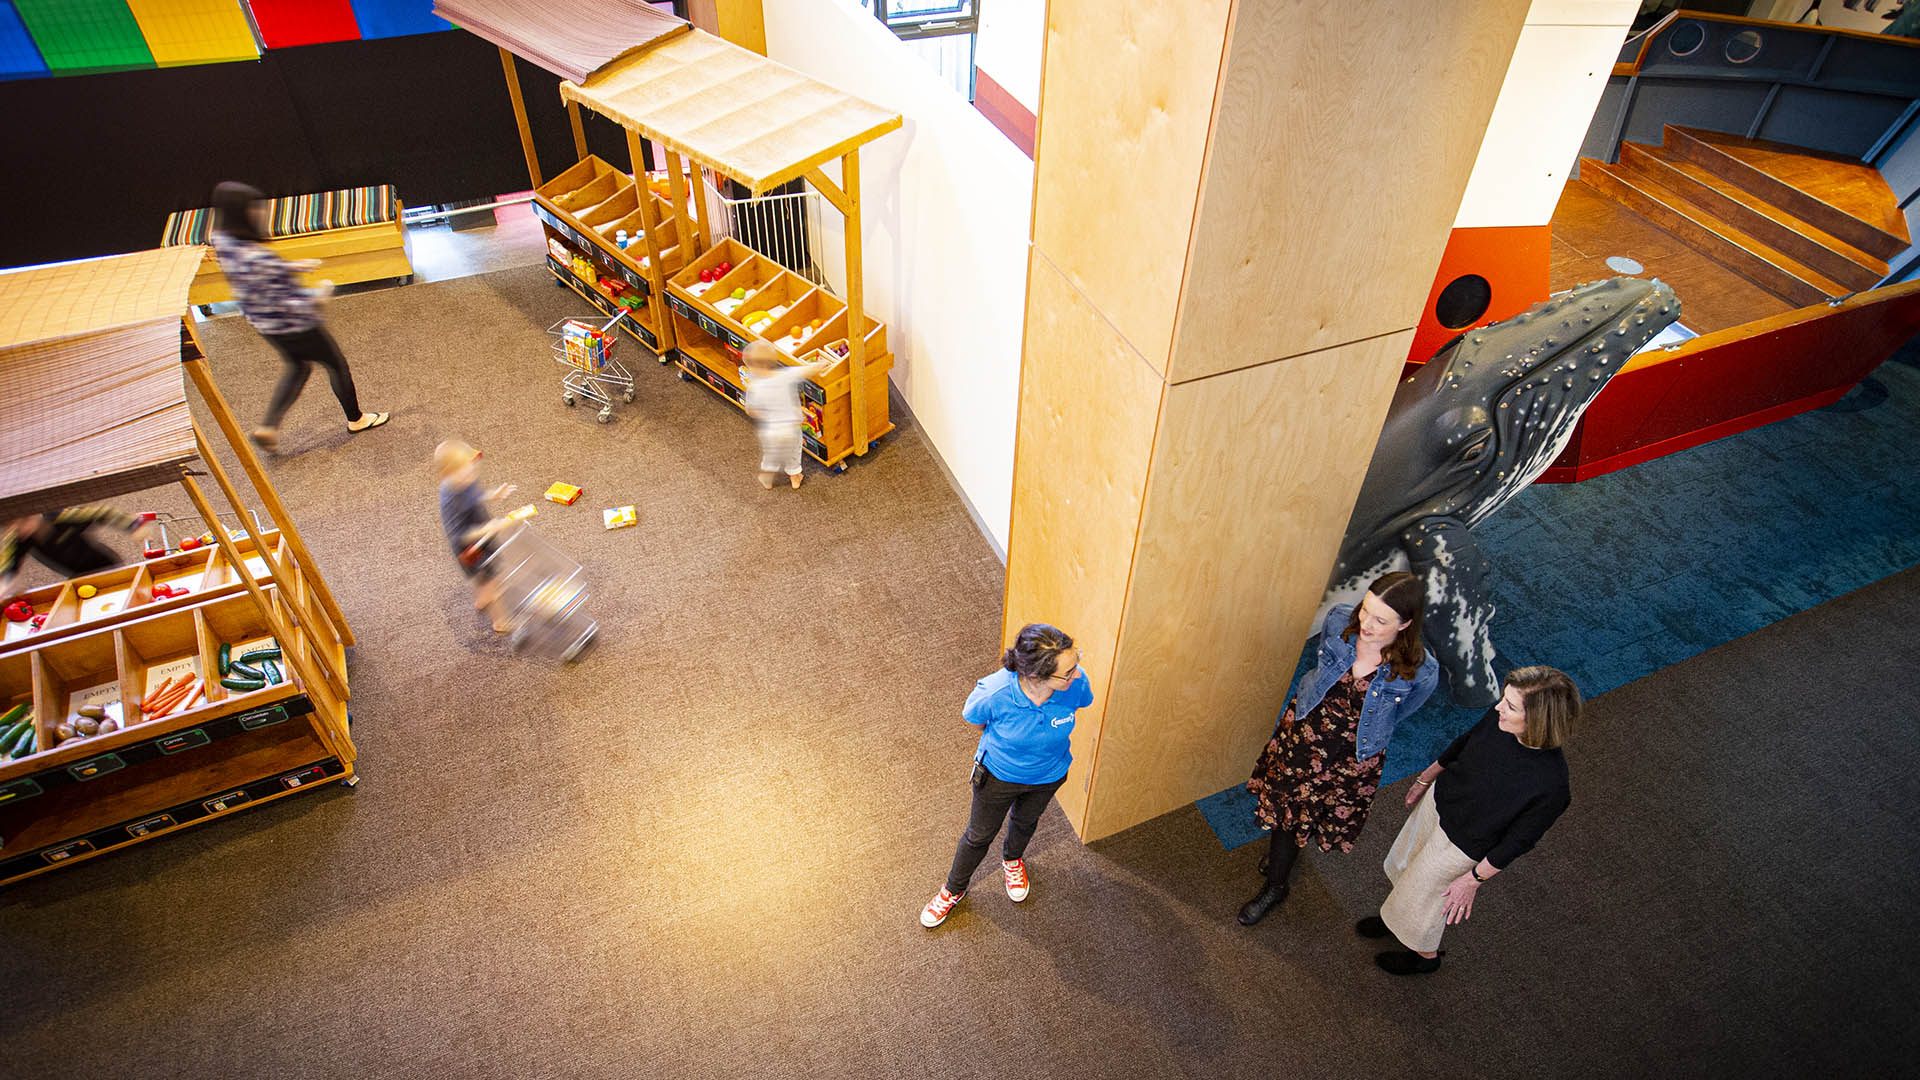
x: 1847, y: 199
x: 1823, y: 252
x: 1701, y: 230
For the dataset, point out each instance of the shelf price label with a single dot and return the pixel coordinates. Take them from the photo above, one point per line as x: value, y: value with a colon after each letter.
x: 812, y: 392
x: 259, y: 718
x: 228, y: 801
x: 183, y: 740
x: 680, y: 307
x: 153, y: 824
x: 55, y: 855
x: 96, y: 767
x: 24, y: 788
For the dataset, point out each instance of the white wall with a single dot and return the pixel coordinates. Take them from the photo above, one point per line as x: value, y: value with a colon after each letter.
x: 946, y: 202
x: 1561, y: 63
x: 1011, y: 39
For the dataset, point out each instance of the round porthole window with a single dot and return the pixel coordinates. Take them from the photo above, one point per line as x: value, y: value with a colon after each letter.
x: 1743, y: 46
x: 1686, y: 39
x: 1463, y: 301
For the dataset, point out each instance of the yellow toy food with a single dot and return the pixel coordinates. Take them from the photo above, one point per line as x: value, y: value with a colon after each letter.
x: 87, y: 592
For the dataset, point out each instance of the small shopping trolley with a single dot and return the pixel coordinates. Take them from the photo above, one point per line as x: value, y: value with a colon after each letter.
x: 542, y: 593
x: 585, y: 349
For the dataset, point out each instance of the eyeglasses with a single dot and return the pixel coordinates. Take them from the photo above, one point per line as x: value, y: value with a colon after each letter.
x: 1069, y: 676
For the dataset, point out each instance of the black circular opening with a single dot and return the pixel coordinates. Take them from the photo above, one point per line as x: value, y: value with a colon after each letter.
x: 1686, y: 39
x: 1463, y: 301
x: 1743, y: 46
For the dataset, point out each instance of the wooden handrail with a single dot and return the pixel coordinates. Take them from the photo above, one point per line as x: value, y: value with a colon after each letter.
x: 1647, y: 36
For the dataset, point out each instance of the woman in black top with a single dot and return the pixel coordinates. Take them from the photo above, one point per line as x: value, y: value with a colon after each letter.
x: 1484, y: 803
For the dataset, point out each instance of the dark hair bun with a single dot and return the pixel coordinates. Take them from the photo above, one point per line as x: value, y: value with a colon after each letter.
x: 1009, y: 660
x: 1036, y: 650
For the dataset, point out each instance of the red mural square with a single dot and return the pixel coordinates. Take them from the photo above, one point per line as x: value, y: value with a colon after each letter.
x: 284, y: 23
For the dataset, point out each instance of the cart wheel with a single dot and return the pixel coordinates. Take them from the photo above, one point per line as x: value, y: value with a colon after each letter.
x: 605, y: 415
x: 684, y: 377
x: 872, y: 444
x: 664, y: 359
x: 840, y: 468
x: 559, y: 284
x: 568, y: 398
x: 351, y: 781
x: 627, y: 397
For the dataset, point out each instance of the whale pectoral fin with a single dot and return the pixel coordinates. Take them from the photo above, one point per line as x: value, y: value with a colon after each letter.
x: 1459, y: 616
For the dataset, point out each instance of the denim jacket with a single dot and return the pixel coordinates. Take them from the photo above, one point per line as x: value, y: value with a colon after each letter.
x: 1389, y: 700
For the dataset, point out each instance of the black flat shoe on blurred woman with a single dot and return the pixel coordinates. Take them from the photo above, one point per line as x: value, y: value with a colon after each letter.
x: 1268, y: 898
x: 1407, y: 962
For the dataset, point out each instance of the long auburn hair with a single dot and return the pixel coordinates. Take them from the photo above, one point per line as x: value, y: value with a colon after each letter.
x: 1406, y: 594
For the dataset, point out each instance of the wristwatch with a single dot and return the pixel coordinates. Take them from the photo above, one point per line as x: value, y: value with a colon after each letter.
x: 1475, y: 871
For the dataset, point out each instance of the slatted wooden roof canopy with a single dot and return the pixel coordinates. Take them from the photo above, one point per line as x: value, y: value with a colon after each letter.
x: 747, y: 117
x: 92, y: 399
x: 571, y: 39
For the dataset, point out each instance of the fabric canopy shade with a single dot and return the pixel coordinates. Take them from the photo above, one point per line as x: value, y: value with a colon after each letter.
x: 92, y: 400
x: 571, y: 40
x: 755, y: 121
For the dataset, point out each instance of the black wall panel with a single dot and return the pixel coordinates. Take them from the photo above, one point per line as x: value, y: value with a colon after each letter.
x: 98, y: 161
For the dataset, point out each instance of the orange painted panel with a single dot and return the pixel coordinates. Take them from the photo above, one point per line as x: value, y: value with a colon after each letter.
x: 1511, y: 259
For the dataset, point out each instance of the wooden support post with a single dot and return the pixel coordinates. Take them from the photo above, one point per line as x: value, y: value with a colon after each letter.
x: 520, y: 117
x: 336, y: 678
x: 202, y: 376
x: 856, y: 299
x: 579, y: 132
x: 334, y: 732
x: 698, y: 193
x: 656, y: 273
x: 676, y: 179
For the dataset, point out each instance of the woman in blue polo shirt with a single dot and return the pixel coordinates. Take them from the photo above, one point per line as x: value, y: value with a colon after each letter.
x: 1025, y: 712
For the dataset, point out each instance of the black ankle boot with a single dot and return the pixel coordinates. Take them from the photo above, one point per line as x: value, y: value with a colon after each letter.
x: 1269, y: 897
x: 1407, y: 962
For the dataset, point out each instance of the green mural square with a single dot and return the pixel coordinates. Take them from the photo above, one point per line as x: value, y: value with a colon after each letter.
x: 77, y: 36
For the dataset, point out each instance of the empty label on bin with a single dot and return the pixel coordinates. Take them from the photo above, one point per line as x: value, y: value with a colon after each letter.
x: 67, y: 851
x: 153, y: 824
x: 92, y: 767
x: 260, y: 718
x: 183, y: 740
x: 226, y: 802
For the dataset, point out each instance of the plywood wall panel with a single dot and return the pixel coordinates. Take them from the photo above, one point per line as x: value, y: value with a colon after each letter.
x: 1254, y: 475
x: 1088, y: 409
x: 1129, y: 90
x: 1343, y: 139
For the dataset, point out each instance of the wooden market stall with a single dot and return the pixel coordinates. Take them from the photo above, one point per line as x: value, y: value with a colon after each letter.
x: 705, y: 105
x: 94, y: 360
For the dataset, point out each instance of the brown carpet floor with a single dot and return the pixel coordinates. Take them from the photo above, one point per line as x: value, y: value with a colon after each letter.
x: 701, y: 851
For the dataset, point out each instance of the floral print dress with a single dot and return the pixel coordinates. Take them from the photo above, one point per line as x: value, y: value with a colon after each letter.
x: 1308, y: 780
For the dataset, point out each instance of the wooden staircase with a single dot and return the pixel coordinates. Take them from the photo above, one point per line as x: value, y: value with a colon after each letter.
x: 1804, y: 226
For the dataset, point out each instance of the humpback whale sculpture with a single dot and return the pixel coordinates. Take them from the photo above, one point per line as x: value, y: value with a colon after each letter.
x: 1467, y: 431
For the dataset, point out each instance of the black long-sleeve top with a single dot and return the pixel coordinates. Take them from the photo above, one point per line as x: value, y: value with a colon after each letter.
x: 1496, y: 797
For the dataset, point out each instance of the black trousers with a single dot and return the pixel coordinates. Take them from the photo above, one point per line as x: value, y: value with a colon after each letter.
x: 302, y: 350
x: 991, y: 801
x: 71, y: 556
x: 1283, y: 848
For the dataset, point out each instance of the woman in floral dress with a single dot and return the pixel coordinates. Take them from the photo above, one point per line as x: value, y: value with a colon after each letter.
x: 1317, y: 777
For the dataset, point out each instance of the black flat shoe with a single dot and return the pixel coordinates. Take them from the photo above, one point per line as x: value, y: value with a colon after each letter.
x: 1371, y: 927
x: 1268, y: 898
x: 1407, y: 962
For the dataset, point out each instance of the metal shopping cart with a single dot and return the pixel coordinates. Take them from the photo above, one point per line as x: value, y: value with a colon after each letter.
x: 585, y: 349
x: 542, y: 592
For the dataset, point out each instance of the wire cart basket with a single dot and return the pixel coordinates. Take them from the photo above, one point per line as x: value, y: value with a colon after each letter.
x: 543, y: 594
x: 586, y: 351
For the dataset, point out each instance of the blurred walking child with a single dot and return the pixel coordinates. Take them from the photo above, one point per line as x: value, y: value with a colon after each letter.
x: 470, y: 527
x: 773, y: 400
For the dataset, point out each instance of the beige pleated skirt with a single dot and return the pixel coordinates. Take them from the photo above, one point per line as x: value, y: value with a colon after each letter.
x: 1422, y: 864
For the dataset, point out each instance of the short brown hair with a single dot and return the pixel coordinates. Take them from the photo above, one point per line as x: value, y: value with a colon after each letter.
x: 1552, y: 703
x: 1406, y: 594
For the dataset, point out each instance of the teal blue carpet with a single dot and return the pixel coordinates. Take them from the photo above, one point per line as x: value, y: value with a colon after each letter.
x: 1612, y: 579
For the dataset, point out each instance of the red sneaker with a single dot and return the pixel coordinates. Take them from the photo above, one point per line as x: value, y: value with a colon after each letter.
x: 1017, y: 887
x: 937, y: 908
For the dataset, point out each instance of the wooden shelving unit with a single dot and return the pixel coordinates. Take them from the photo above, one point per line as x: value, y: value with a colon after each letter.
x: 220, y: 750
x: 706, y: 106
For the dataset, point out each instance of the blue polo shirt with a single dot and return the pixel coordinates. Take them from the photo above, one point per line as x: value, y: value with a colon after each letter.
x: 1024, y: 743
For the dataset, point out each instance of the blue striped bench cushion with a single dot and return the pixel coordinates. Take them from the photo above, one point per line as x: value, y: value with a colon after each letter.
x: 293, y: 215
